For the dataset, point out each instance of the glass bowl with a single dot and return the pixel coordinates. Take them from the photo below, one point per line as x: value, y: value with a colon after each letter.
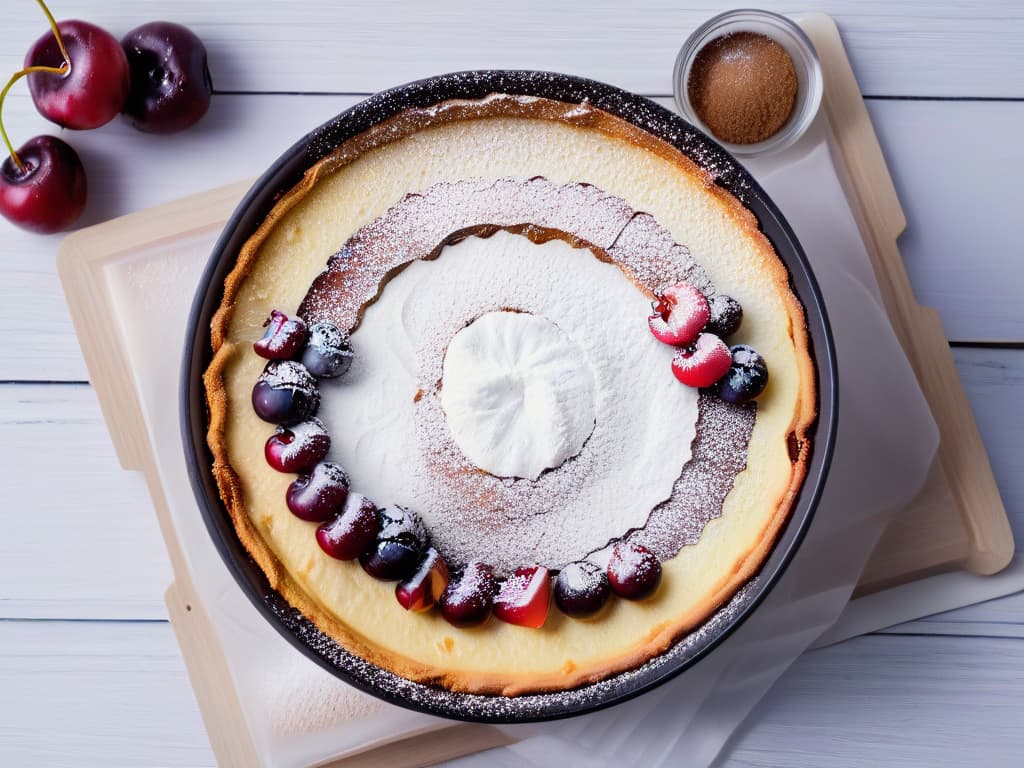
x: 787, y: 34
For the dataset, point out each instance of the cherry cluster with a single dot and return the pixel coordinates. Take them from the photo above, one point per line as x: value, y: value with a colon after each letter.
x: 81, y: 77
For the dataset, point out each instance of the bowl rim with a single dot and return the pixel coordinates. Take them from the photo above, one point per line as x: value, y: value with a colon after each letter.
x: 282, y: 175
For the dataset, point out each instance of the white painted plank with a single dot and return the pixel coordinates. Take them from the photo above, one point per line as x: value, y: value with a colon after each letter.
x: 116, y: 694
x: 894, y: 701
x: 80, y: 535
x: 242, y: 135
x: 916, y: 47
x: 111, y: 694
x: 957, y: 176
x: 65, y: 552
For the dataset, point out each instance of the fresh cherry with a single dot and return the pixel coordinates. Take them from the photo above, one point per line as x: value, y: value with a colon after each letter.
x: 680, y: 313
x: 321, y: 494
x: 424, y: 588
x: 524, y: 597
x: 634, y: 572
x: 353, y: 531
x: 283, y: 338
x: 92, y: 90
x: 702, y: 363
x: 747, y: 376
x: 399, y: 545
x: 327, y: 352
x: 285, y: 393
x: 170, y: 80
x: 467, y: 600
x: 47, y: 192
x: 299, y: 447
x: 726, y: 316
x: 581, y: 589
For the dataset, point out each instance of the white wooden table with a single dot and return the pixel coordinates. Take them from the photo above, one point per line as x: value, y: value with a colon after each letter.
x: 89, y: 671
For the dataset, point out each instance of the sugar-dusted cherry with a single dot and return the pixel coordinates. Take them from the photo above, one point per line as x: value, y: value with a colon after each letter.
x: 726, y: 316
x: 320, y: 495
x: 283, y: 338
x: 581, y: 589
x: 298, y: 447
x: 170, y: 79
x: 468, y: 599
x: 524, y: 597
x: 702, y: 363
x: 747, y: 376
x: 398, y: 547
x: 285, y: 393
x: 680, y: 313
x: 634, y: 572
x: 328, y: 353
x: 353, y: 531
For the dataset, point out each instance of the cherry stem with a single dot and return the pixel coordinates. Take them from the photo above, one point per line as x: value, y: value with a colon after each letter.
x: 62, y: 70
x: 56, y: 34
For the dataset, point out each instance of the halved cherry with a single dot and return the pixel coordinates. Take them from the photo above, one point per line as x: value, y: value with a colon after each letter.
x: 424, y: 588
x: 524, y: 597
x: 283, y: 338
x: 680, y: 313
x: 299, y: 447
x: 702, y: 363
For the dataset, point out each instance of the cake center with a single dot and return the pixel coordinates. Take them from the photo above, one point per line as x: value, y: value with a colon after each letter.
x: 518, y: 394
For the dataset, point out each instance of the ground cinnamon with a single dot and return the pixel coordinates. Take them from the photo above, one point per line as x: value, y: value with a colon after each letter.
x: 743, y: 87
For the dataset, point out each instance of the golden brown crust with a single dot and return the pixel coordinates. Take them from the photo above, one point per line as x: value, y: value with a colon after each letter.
x: 660, y: 637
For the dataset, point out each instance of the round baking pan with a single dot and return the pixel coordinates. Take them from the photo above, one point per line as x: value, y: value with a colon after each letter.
x: 281, y: 177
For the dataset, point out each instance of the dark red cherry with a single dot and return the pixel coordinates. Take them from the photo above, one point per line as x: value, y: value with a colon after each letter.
x: 48, y: 194
x: 328, y: 353
x: 285, y: 393
x: 424, y: 588
x: 95, y: 88
x: 299, y: 447
x: 524, y: 597
x: 634, y: 572
x: 352, y: 532
x: 283, y: 338
x: 467, y: 600
x: 581, y: 589
x: 320, y: 495
x: 171, y: 83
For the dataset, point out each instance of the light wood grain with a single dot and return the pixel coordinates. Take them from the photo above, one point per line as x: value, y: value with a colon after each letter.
x: 913, y: 48
x: 115, y: 694
x: 965, y: 265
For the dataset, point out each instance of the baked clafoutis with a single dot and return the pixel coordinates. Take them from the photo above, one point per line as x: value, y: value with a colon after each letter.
x: 507, y: 395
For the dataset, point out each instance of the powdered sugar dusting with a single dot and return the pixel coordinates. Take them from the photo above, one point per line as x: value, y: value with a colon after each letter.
x: 472, y: 514
x: 401, y: 450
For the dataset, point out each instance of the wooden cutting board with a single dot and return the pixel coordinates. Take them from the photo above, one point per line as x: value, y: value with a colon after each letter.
x: 957, y: 522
